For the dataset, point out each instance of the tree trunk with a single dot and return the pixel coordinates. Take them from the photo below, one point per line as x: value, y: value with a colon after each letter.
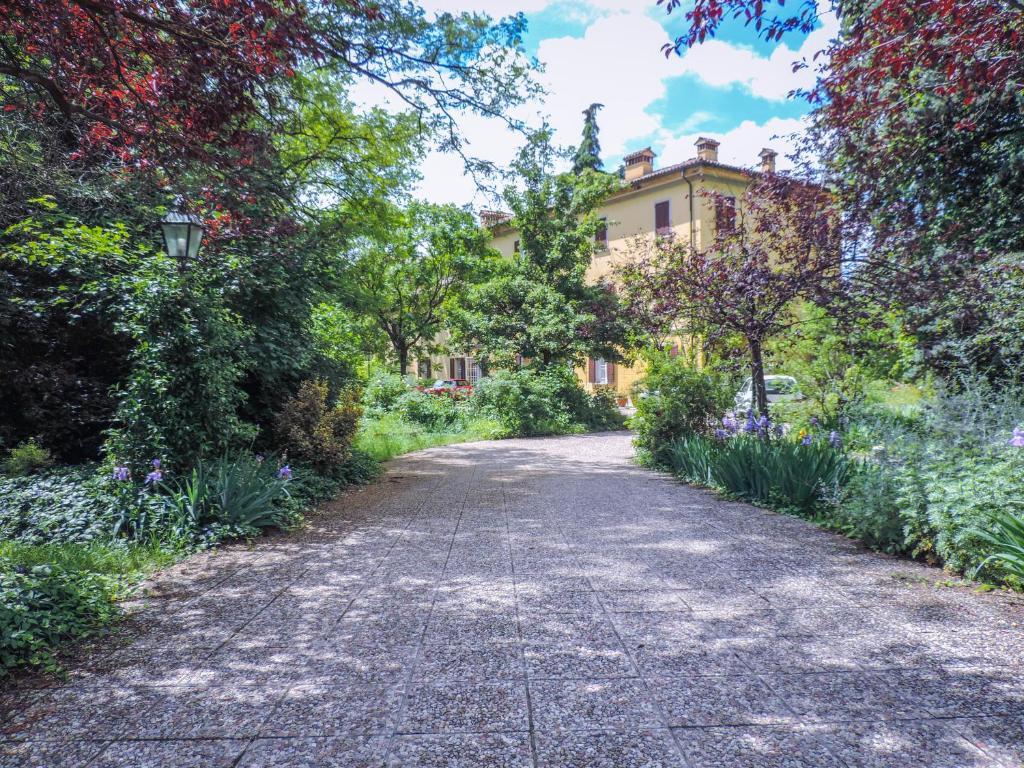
x: 760, y: 392
x: 403, y: 360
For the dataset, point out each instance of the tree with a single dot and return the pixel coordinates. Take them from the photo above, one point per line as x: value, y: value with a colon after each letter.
x: 784, y: 248
x: 588, y: 153
x: 407, y: 275
x: 918, y: 117
x: 539, y: 304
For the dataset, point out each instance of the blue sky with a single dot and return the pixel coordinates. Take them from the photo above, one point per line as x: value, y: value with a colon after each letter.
x: 733, y: 88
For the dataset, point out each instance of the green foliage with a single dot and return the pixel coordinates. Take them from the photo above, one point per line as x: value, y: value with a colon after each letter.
x: 435, y: 412
x: 681, y: 401
x: 382, y: 390
x: 691, y: 457
x: 26, y: 458
x: 1006, y: 539
x: 868, y: 508
x: 387, y: 436
x: 588, y: 154
x: 316, y: 432
x: 43, y: 606
x: 540, y: 305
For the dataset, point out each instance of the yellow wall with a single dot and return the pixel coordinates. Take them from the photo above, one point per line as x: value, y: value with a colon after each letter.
x: 630, y: 215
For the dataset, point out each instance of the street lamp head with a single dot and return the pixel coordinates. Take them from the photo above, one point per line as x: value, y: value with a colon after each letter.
x: 183, y: 234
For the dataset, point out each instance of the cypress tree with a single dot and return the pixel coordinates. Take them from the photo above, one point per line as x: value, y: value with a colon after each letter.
x: 588, y: 154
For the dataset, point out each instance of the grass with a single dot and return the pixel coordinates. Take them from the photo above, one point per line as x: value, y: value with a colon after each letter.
x: 391, y: 436
x: 127, y: 562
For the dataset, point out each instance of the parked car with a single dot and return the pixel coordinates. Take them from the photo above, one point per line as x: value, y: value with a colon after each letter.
x: 452, y: 387
x: 781, y: 389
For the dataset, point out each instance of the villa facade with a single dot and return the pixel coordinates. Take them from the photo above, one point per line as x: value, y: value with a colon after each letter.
x: 674, y: 200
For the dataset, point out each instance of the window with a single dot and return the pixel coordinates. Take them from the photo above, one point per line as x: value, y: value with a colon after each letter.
x: 457, y: 368
x: 662, y: 222
x: 515, y: 246
x: 475, y: 371
x: 600, y: 371
x: 601, y: 374
x: 424, y: 369
x: 601, y: 236
x: 725, y: 214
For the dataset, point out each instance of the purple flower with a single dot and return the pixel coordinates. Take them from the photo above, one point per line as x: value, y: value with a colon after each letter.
x: 730, y: 423
x: 835, y: 439
x: 121, y: 473
x: 814, y: 421
x: 763, y: 423
x: 154, y: 477
x: 807, y: 439
x: 751, y: 425
x: 155, y: 463
x: 1017, y: 441
x: 779, y: 430
x: 259, y: 458
x: 721, y: 434
x: 284, y: 473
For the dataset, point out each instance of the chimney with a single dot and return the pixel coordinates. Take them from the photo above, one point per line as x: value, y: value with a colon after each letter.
x: 707, y: 150
x: 639, y: 164
x: 768, y: 160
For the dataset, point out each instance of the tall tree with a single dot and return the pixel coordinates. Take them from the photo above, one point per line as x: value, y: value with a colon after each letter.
x: 784, y: 247
x: 588, y: 153
x: 917, y: 115
x: 540, y: 304
x: 407, y: 276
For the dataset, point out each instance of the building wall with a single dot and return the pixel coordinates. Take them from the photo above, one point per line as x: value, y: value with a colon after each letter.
x: 631, y: 225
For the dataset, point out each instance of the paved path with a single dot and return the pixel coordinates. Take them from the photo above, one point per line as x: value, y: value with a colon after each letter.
x: 542, y: 603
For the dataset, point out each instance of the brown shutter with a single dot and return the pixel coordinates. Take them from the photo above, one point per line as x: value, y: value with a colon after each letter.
x: 611, y: 372
x: 661, y: 218
x: 591, y: 370
x: 451, y: 367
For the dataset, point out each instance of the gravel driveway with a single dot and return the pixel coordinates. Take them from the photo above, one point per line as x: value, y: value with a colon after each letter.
x: 541, y: 603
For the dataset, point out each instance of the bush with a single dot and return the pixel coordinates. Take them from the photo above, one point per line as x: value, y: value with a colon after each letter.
x: 25, y: 459
x: 691, y: 458
x: 681, y: 402
x: 42, y: 606
x: 435, y: 412
x: 382, y: 392
x: 528, y: 402
x: 1007, y: 543
x: 314, y: 432
x: 868, y: 508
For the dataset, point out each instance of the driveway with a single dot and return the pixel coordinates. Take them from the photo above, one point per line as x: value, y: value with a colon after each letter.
x: 541, y: 603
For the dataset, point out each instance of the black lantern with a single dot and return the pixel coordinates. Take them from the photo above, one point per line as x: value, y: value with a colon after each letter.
x: 183, y: 234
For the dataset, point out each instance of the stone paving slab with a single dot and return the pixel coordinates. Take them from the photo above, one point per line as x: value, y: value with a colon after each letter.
x: 539, y: 603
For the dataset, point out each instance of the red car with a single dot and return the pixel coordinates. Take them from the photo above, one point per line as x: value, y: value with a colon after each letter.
x: 452, y: 387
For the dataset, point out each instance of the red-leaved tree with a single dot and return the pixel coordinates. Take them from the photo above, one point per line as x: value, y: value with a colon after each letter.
x: 783, y: 247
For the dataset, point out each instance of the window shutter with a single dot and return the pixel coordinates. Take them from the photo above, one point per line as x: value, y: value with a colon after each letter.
x: 451, y: 368
x: 611, y: 373
x: 725, y: 214
x: 661, y: 219
x: 601, y: 236
x: 591, y: 370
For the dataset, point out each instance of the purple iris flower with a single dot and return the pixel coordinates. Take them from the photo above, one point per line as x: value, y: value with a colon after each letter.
x: 762, y: 423
x: 751, y: 425
x: 259, y: 458
x: 835, y: 439
x: 284, y: 473
x: 1017, y: 441
x: 730, y: 423
x: 814, y: 421
x: 154, y: 477
x: 121, y: 473
x: 155, y: 463
x: 778, y: 430
x: 807, y: 439
x: 721, y: 434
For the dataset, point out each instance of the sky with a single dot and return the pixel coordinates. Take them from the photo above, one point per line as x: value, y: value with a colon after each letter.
x: 733, y: 88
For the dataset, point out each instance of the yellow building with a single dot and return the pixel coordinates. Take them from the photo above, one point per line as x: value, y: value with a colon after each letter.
x: 668, y: 201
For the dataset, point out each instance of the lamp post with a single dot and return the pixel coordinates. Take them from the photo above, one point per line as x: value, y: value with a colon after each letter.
x: 183, y: 234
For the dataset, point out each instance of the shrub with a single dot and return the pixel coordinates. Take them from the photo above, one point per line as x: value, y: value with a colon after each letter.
x: 681, y: 401
x: 42, y: 606
x: 382, y: 392
x: 25, y: 459
x: 313, y: 431
x: 868, y: 507
x: 783, y: 473
x: 691, y: 458
x: 435, y: 412
x: 1006, y: 540
x: 528, y: 402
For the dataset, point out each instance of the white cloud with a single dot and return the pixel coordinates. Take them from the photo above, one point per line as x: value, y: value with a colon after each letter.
x: 721, y: 64
x: 618, y: 62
